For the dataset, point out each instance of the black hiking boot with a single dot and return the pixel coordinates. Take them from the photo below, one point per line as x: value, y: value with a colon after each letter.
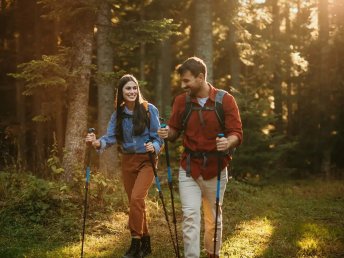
x: 146, y: 246
x: 134, y: 250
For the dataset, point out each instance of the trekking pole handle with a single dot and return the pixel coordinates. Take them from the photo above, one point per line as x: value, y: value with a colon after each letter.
x: 88, y: 169
x: 220, y: 135
x: 169, y: 174
x: 90, y: 130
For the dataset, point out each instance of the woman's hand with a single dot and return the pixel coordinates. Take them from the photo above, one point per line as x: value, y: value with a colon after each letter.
x: 91, y: 139
x: 149, y: 147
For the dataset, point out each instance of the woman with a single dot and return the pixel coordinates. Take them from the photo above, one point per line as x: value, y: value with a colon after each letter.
x: 134, y: 122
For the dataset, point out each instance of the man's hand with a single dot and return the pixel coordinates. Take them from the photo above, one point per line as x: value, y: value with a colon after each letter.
x: 224, y: 144
x: 221, y: 143
x: 163, y: 132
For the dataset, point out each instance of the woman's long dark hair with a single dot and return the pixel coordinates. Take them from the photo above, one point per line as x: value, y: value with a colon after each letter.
x: 140, y: 118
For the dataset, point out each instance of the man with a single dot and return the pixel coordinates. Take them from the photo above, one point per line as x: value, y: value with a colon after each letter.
x: 199, y: 163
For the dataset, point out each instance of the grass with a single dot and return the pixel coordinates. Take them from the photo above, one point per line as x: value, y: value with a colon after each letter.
x: 283, y: 219
x: 292, y: 219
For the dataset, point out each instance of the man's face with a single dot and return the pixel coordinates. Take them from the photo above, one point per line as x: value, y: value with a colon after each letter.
x: 190, y: 83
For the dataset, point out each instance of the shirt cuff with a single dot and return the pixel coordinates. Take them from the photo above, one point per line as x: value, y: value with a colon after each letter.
x: 102, y: 146
x: 156, y: 147
x: 237, y: 135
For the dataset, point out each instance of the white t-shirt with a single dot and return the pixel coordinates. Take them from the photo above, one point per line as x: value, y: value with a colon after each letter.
x: 202, y: 101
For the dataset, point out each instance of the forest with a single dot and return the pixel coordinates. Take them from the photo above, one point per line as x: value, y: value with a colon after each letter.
x: 60, y: 62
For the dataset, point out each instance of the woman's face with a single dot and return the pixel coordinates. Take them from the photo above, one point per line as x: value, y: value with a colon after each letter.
x: 130, y: 91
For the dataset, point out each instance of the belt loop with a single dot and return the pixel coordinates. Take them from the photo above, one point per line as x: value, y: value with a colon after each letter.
x: 188, y: 164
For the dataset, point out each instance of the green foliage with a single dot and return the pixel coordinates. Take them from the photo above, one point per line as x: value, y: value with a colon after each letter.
x: 25, y: 197
x: 263, y: 151
x: 50, y: 72
x: 73, y: 13
x: 128, y: 35
x: 54, y: 162
x: 107, y: 194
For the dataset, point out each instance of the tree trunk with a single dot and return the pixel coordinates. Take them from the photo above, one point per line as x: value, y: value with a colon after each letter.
x: 142, y: 45
x: 163, y: 86
x: 324, y: 91
x: 203, y: 34
x: 39, y: 134
x: 78, y: 94
x: 288, y: 73
x: 60, y: 118
x: 108, y: 159
x: 22, y: 49
x: 166, y: 79
x: 234, y: 68
x: 277, y: 81
x: 299, y: 103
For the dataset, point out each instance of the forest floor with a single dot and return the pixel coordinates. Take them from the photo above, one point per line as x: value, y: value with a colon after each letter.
x: 303, y: 218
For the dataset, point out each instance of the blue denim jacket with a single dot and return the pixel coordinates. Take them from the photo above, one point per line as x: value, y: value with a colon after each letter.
x: 131, y: 143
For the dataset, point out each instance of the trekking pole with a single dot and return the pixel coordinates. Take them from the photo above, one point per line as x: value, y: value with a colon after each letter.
x: 157, y: 182
x: 219, y: 168
x: 88, y: 175
x: 170, y: 185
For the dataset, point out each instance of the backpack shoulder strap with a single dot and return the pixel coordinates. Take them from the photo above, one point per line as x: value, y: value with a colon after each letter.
x: 219, y: 107
x: 187, y: 111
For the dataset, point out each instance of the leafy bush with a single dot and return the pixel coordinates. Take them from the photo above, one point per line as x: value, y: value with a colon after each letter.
x: 32, y: 198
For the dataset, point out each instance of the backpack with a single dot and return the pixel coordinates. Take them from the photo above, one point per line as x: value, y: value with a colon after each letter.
x: 145, y: 105
x: 218, y: 108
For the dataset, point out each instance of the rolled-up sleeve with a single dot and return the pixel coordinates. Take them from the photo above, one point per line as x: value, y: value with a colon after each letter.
x: 232, y: 117
x: 109, y: 138
x: 154, y: 126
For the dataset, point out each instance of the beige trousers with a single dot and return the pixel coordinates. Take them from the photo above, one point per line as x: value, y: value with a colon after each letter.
x: 194, y: 193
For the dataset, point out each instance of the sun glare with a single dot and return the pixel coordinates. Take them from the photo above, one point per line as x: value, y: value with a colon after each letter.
x: 250, y: 239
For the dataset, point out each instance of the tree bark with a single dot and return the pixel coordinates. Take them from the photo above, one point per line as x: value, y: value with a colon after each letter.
x: 163, y: 85
x: 203, y: 34
x: 78, y: 94
x: 108, y: 159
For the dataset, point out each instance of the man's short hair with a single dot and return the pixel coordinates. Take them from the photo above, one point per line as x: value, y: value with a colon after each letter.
x: 193, y: 64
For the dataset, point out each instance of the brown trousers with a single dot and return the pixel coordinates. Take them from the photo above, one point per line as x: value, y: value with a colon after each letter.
x: 138, y: 176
